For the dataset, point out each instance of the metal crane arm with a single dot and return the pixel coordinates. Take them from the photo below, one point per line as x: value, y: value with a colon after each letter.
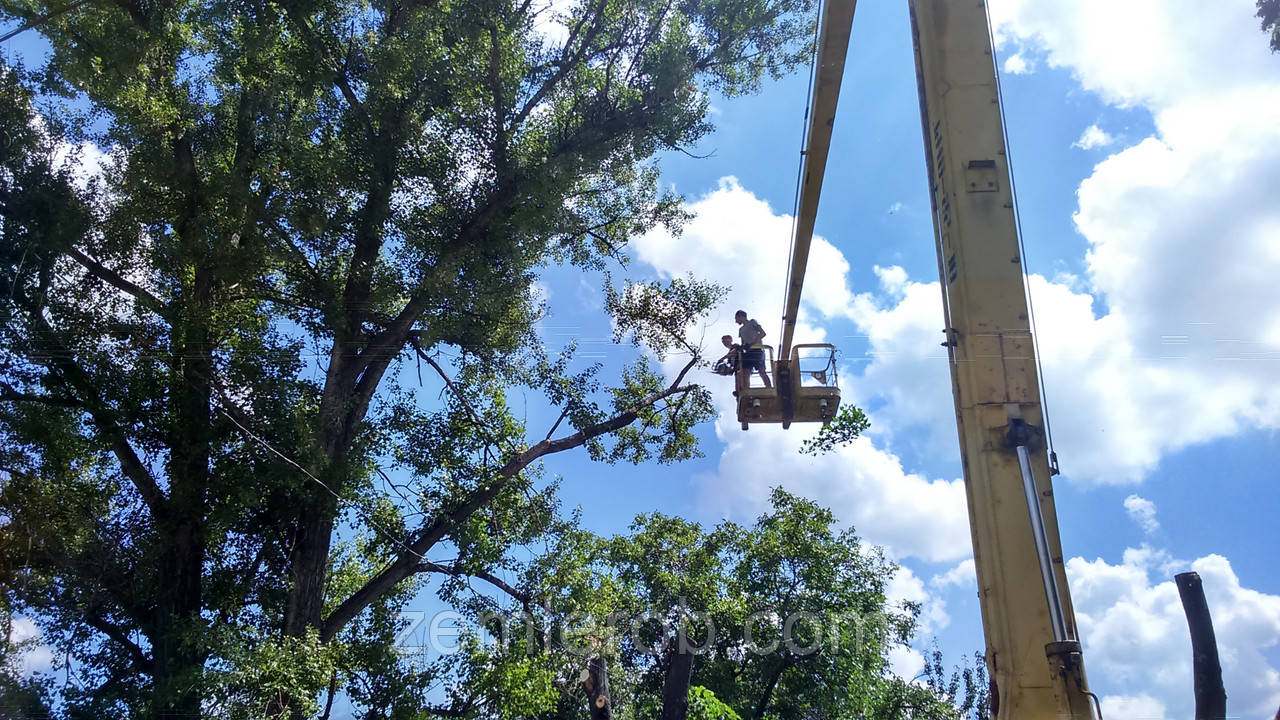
x: 1033, y: 650
x: 833, y: 46
x: 1032, y: 647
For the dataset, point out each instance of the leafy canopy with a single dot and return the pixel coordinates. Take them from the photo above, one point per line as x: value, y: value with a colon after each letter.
x: 257, y: 373
x: 785, y: 618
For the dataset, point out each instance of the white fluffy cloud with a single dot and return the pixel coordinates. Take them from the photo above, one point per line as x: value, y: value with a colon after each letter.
x: 905, y: 587
x: 33, y: 655
x: 1132, y: 707
x: 551, y: 20
x: 1124, y: 409
x: 85, y: 161
x: 1143, y: 512
x: 736, y: 239
x: 1135, y: 635
x: 1183, y: 246
x: 1157, y: 53
x: 907, y: 513
x: 1093, y: 137
x: 905, y: 662
x: 1017, y: 64
x: 964, y: 574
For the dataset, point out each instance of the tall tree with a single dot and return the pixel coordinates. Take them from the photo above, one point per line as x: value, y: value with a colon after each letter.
x: 202, y: 397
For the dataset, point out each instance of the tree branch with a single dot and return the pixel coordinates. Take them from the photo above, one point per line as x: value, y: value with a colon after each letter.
x: 407, y: 563
x: 595, y: 678
x: 8, y: 394
x: 103, y: 416
x: 454, y: 710
x: 112, y: 278
x: 566, y: 63
x: 457, y: 393
x: 767, y: 696
x: 525, y: 599
x: 37, y: 20
x: 340, y: 79
x: 399, y: 13
x: 563, y: 414
x: 499, y: 110
x: 136, y: 655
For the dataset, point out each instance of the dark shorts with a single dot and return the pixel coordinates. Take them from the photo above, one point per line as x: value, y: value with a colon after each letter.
x: 753, y: 360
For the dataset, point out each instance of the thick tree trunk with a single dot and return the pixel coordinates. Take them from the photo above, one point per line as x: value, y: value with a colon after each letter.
x: 765, y: 698
x: 178, y: 648
x: 596, y: 679
x: 675, y: 688
x: 309, y: 565
x: 350, y: 383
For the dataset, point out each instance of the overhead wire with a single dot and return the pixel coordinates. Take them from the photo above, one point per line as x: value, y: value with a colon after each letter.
x: 1022, y: 247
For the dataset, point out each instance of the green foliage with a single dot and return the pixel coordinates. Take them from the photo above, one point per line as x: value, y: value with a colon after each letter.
x: 659, y: 316
x: 936, y: 695
x: 262, y: 672
x: 788, y: 616
x: 1269, y: 14
x: 703, y: 705
x: 844, y: 428
x: 967, y: 687
x: 213, y: 449
x: 21, y: 697
x: 666, y: 426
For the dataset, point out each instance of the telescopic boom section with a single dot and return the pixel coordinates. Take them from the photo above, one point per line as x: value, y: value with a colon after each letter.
x: 833, y: 45
x: 1033, y: 649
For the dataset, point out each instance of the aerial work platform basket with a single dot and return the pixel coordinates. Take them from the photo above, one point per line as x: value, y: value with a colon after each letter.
x: 804, y: 388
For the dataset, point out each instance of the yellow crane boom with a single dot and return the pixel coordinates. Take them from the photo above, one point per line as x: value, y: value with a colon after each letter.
x: 833, y: 46
x: 1033, y: 651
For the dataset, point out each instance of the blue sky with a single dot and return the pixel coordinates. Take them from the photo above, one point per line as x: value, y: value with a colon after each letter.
x: 1144, y: 144
x: 1145, y: 140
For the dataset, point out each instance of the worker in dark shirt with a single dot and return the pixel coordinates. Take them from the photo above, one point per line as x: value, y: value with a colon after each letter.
x: 750, y: 334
